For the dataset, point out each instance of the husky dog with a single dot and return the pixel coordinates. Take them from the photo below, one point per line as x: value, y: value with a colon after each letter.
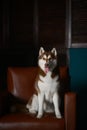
x: 47, y: 85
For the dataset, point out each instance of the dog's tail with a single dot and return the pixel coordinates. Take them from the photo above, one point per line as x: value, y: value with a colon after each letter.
x: 33, y: 106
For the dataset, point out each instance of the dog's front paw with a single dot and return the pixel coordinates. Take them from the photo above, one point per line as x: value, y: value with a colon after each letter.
x: 32, y: 111
x: 58, y: 116
x: 39, y: 116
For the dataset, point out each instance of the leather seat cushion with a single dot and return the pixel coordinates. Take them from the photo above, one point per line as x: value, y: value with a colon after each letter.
x: 26, y: 122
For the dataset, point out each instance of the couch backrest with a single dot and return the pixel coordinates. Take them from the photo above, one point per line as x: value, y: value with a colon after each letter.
x: 20, y: 80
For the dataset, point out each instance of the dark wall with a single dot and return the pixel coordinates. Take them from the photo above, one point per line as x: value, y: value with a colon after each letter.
x: 27, y: 25
x: 33, y: 22
x: 78, y: 72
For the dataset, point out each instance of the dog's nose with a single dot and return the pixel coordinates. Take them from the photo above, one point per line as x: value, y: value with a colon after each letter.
x: 47, y: 65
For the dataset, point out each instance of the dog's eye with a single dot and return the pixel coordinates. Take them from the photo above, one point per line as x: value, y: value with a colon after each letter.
x: 44, y: 58
x: 50, y: 59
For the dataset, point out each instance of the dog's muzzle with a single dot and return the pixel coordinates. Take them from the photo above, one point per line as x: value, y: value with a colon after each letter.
x: 47, y: 67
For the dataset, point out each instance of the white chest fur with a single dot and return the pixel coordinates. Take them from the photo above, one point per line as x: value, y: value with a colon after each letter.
x: 48, y: 85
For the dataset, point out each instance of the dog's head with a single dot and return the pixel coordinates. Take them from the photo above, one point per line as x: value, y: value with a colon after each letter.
x: 47, y: 60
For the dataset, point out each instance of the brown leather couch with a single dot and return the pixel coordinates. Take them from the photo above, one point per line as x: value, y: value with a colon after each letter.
x: 13, y: 114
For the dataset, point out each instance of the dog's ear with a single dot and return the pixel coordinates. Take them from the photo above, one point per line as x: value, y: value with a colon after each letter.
x: 41, y: 51
x: 54, y: 51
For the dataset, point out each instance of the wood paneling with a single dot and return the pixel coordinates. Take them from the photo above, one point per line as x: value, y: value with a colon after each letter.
x: 1, y: 23
x: 24, y: 22
x: 79, y: 21
x: 21, y: 27
x: 52, y: 23
x: 27, y: 25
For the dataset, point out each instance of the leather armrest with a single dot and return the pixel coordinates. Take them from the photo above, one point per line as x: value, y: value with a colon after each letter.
x: 70, y: 110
